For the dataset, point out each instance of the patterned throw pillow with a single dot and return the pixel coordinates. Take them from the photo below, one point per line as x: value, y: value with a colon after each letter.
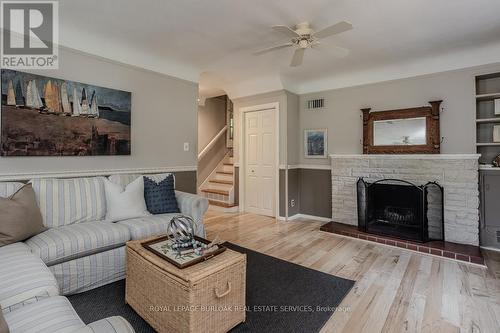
x: 160, y: 195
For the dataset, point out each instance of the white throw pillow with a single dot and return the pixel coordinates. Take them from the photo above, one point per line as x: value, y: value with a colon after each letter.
x: 125, y: 179
x: 125, y: 203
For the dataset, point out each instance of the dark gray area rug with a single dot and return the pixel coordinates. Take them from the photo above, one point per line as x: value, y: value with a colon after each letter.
x: 281, y: 297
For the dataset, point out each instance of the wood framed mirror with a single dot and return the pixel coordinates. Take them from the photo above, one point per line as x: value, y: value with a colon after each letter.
x: 403, y: 131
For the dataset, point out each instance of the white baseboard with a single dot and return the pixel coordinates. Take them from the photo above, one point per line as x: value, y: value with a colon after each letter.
x: 490, y: 248
x: 306, y: 217
x: 234, y: 209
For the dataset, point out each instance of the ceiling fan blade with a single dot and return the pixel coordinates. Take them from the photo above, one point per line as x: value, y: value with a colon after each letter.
x: 333, y: 29
x: 298, y: 56
x: 269, y: 49
x: 336, y: 51
x: 286, y: 30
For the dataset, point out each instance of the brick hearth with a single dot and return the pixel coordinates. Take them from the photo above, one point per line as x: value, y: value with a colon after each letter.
x: 462, y: 252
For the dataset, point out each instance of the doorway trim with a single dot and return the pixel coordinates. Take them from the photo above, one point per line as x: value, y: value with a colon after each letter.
x: 274, y: 107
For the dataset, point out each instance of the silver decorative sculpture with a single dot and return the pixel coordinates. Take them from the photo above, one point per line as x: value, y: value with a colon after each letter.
x: 181, y: 228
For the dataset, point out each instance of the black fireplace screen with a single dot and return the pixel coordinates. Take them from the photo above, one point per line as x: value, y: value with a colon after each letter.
x: 400, y: 209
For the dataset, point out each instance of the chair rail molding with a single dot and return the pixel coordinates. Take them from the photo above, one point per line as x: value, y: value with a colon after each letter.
x: 20, y: 176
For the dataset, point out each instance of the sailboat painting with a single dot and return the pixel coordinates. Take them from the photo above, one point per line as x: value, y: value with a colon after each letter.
x: 44, y: 116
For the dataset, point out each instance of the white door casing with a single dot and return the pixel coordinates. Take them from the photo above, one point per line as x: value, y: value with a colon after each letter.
x: 259, y: 160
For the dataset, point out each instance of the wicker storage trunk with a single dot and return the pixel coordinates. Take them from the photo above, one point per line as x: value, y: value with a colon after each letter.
x: 207, y: 297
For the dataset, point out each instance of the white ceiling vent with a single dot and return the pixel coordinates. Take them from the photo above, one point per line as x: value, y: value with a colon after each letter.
x: 317, y: 103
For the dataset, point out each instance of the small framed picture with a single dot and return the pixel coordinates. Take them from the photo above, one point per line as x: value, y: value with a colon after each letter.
x: 315, y: 143
x: 496, y: 133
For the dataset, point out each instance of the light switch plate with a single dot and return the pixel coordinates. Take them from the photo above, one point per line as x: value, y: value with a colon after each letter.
x: 186, y: 146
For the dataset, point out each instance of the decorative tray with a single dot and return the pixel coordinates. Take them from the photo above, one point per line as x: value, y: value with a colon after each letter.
x: 162, y: 247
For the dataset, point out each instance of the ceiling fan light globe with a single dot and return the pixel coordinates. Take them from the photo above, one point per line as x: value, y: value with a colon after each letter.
x: 303, y: 43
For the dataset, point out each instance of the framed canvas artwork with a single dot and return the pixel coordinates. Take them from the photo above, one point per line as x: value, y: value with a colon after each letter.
x: 315, y: 143
x: 44, y: 116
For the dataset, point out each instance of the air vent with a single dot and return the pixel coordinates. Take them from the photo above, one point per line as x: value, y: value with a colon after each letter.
x: 318, y: 103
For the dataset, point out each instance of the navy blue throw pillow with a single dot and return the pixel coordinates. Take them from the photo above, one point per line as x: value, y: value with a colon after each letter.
x: 160, y: 197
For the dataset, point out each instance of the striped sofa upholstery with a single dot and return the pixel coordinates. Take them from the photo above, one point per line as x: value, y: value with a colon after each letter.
x: 147, y: 226
x: 56, y: 315
x: 90, y: 272
x: 69, y: 201
x: 50, y: 315
x: 108, y: 325
x: 194, y: 206
x: 9, y: 188
x: 24, y: 278
x: 57, y: 245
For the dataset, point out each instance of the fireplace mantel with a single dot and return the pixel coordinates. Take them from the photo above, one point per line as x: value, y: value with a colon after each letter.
x: 409, y: 156
x: 457, y: 173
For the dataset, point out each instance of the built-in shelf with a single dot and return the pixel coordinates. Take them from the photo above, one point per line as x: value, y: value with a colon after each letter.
x: 487, y: 91
x: 485, y: 144
x: 486, y: 97
x: 489, y: 168
x: 488, y: 120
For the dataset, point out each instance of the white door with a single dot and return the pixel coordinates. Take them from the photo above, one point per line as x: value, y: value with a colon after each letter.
x: 260, y: 162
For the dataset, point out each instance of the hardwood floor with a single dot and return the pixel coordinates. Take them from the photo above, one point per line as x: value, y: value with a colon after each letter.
x: 396, y: 290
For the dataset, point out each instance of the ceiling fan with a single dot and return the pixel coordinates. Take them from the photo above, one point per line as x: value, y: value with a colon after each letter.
x: 304, y: 37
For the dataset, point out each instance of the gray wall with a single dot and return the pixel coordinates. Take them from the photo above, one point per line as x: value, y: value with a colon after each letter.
x: 209, y: 162
x: 294, y: 186
x: 282, y: 189
x: 236, y: 185
x: 342, y: 112
x: 185, y: 181
x: 164, y: 116
x: 211, y: 119
x: 315, y: 192
x: 310, y: 188
x: 292, y: 136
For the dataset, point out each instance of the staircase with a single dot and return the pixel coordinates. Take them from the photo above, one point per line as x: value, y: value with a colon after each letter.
x: 219, y: 186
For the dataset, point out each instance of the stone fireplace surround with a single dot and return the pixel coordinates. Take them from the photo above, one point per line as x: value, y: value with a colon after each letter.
x: 457, y: 173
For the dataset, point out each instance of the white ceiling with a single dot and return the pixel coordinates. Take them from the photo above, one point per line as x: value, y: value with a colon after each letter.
x: 211, y: 42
